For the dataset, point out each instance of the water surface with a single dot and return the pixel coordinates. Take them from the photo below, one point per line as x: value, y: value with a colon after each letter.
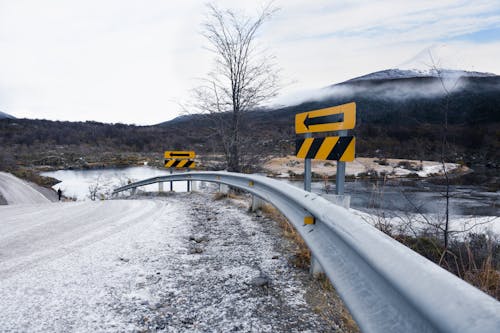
x: 394, y: 195
x: 78, y: 183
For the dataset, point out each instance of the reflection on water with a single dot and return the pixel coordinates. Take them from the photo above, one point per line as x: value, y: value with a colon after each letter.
x: 415, y: 197
x: 394, y: 195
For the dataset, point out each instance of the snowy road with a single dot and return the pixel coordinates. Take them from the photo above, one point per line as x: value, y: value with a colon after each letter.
x: 184, y: 263
x: 17, y: 191
x: 34, y: 234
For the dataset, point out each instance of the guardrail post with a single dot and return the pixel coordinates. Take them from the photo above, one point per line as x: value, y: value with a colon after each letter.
x: 340, y: 175
x: 315, y: 268
x: 134, y: 190
x: 307, y: 170
x: 340, y: 200
x: 223, y: 188
x: 257, y: 203
x: 160, y: 187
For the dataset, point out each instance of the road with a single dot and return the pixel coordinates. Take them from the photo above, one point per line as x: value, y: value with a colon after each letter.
x: 183, y: 263
x: 17, y: 191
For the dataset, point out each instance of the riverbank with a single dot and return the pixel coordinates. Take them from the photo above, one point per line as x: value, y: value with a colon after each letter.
x: 364, y: 167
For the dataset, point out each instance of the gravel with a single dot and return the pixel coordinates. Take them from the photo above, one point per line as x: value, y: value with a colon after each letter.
x: 194, y: 265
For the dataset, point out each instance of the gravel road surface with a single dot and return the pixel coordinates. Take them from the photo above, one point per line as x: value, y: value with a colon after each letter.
x: 183, y: 263
x: 17, y: 191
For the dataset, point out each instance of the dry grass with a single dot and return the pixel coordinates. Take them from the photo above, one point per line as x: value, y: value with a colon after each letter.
x: 475, y: 259
x: 302, y: 254
x: 34, y: 177
x: 230, y: 195
x: 322, y: 296
x: 329, y: 304
x: 485, y: 278
x: 480, y: 269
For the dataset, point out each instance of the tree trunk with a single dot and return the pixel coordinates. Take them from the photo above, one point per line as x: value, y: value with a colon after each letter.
x: 234, y: 153
x: 233, y: 165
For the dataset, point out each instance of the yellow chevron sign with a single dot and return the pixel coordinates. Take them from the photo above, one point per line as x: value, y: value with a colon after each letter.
x: 337, y: 148
x: 180, y: 154
x: 336, y: 118
x: 180, y: 164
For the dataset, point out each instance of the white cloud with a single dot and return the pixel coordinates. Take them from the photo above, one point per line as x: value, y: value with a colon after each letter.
x: 132, y: 61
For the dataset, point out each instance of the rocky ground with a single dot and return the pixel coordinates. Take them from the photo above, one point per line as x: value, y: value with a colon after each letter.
x: 236, y: 275
x: 176, y: 263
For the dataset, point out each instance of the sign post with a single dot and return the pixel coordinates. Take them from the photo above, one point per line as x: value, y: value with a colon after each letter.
x: 171, y: 182
x: 340, y: 175
x: 307, y: 170
x: 339, y: 148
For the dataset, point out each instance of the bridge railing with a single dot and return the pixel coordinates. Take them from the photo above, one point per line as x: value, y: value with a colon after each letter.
x: 386, y: 286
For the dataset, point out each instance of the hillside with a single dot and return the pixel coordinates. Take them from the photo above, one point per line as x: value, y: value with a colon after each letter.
x: 398, y: 116
x: 4, y: 115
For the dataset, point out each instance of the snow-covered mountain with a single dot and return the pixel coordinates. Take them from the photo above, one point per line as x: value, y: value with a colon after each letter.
x: 396, y: 73
x: 4, y: 115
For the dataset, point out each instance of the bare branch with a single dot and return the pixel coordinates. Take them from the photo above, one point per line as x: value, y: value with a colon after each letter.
x: 242, y: 78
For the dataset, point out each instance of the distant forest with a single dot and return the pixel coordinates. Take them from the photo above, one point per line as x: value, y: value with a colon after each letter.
x: 408, y: 128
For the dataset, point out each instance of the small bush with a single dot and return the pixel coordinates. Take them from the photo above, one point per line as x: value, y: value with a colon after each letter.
x: 370, y: 174
x: 410, y: 166
x: 475, y: 259
x: 382, y: 161
x: 426, y: 246
x: 34, y: 177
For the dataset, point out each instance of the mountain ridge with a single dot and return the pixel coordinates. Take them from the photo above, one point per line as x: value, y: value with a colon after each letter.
x: 4, y: 115
x: 397, y: 73
x: 395, y: 118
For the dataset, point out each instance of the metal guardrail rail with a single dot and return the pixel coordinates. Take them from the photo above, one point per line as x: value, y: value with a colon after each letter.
x: 386, y: 286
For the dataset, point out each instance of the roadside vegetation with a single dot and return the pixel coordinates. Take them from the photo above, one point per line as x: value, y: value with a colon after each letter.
x: 462, y: 247
x: 326, y: 301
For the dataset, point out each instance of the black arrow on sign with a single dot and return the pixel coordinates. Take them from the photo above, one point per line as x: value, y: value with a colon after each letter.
x: 331, y: 118
x: 180, y: 155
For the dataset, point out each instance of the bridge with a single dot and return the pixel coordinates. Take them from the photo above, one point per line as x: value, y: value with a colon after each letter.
x: 386, y: 286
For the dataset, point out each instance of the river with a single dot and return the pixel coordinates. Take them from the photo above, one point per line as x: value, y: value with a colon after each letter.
x: 366, y: 195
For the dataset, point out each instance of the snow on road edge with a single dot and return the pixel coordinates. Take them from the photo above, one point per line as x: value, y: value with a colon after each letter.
x: 192, y: 266
x: 16, y: 191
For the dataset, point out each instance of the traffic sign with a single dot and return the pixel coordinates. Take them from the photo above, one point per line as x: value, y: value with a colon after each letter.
x: 180, y: 154
x: 180, y: 164
x: 336, y: 148
x: 336, y: 118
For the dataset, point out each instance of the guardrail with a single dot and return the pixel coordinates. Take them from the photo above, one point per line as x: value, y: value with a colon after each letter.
x: 386, y: 286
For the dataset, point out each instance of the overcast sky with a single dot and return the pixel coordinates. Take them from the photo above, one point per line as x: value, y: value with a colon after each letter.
x: 134, y: 61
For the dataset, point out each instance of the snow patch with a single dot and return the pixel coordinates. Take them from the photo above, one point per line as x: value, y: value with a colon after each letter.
x: 126, y: 265
x: 283, y: 167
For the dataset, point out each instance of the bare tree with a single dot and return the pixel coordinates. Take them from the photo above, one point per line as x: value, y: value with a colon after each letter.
x: 243, y: 77
x: 94, y: 188
x: 444, y: 145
